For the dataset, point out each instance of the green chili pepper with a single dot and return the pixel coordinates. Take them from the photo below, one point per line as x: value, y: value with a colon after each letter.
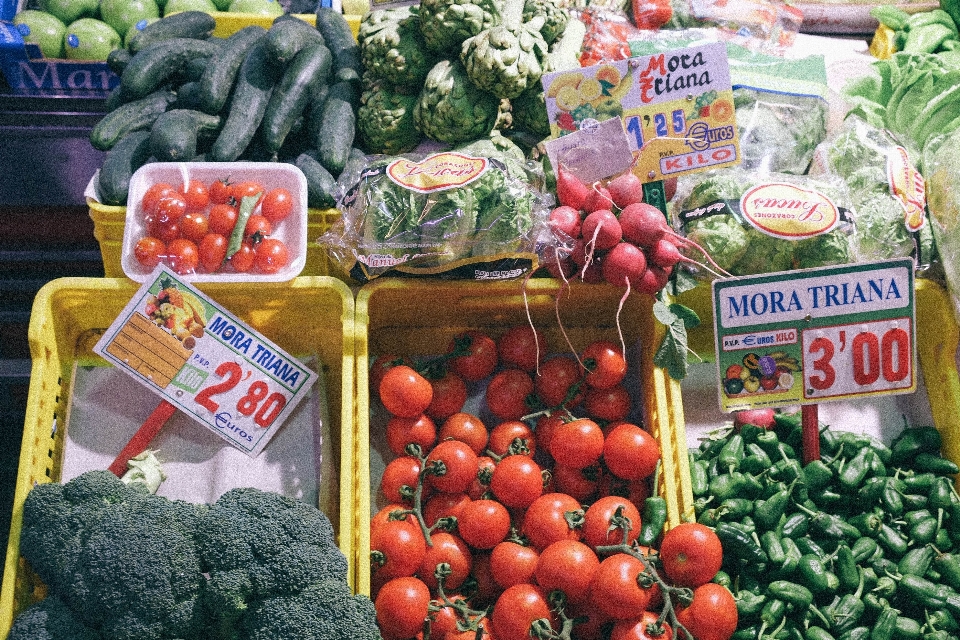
x: 916, y: 561
x: 891, y: 499
x: 917, y: 515
x: 914, y: 501
x: 749, y: 433
x: 948, y: 564
x: 771, y: 545
x: 868, y: 524
x: 885, y: 625
x: 907, y: 629
x: 709, y: 517
x: 756, y: 460
x: 772, y: 614
x: 874, y: 604
x: 885, y: 587
x: 884, y: 566
x: 830, y: 500
x: 891, y: 540
x: 871, y: 490
x: 933, y: 575
x: 768, y: 513
x: 832, y: 526
x: 918, y: 482
x: 847, y: 613
x: 731, y: 453
x: 795, y: 526
x: 828, y: 442
x: 935, y: 464
x: 247, y: 205
x: 914, y: 440
x: 923, y: 592
x: 942, y: 619
x: 750, y: 604
x: 943, y: 541
x: 937, y: 635
x: 740, y: 543
x: 808, y: 545
x: 653, y: 520
x: 813, y: 573
x: 721, y: 577
x: 750, y: 633
x: 725, y: 485
x: 869, y: 577
x: 710, y: 447
x: 791, y: 593
x: 699, y: 480
x: 857, y: 633
x: 817, y: 633
x: 817, y: 475
x: 863, y: 548
x: 788, y: 470
x: 735, y: 508
x: 846, y: 568
x: 855, y: 471
x: 875, y: 466
x: 792, y: 557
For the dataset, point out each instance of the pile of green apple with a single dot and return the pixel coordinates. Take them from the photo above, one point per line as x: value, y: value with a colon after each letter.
x: 91, y: 29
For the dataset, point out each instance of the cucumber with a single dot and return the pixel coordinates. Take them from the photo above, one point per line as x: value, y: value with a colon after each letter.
x: 287, y: 36
x: 338, y: 127
x: 130, y: 116
x: 321, y: 185
x: 129, y: 154
x: 339, y: 38
x: 308, y: 69
x: 186, y: 24
x: 188, y: 96
x: 176, y: 134
x: 218, y: 79
x: 356, y: 162
x: 251, y: 94
x: 117, y: 59
x: 153, y: 66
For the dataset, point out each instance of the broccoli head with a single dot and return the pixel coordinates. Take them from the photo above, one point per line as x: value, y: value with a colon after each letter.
x: 326, y: 610
x: 50, y: 619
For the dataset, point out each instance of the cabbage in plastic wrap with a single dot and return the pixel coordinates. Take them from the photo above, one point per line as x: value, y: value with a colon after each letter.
x: 779, y: 131
x: 942, y: 166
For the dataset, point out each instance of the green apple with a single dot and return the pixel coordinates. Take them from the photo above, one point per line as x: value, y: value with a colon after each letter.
x: 123, y: 14
x: 257, y: 7
x: 136, y: 28
x: 176, y: 6
x: 91, y: 39
x: 67, y: 11
x: 42, y: 29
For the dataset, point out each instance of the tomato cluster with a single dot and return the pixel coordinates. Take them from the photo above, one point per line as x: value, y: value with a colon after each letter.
x: 531, y: 525
x: 190, y: 228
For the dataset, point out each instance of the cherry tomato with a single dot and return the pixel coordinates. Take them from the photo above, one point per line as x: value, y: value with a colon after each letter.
x: 556, y: 380
x: 222, y: 219
x: 397, y: 549
x: 257, y: 228
x: 444, y: 505
x: 220, y: 191
x: 517, y: 608
x: 479, y: 355
x: 149, y: 251
x: 460, y: 464
x: 616, y: 590
x: 443, y: 618
x: 712, y: 615
x: 610, y: 405
x: 272, y: 256
x: 152, y: 197
x: 481, y: 484
x: 604, y: 363
x: 523, y: 347
x: 546, y: 427
x: 579, y: 483
x: 451, y: 549
x: 276, y: 204
x: 630, y: 452
x: 165, y: 232
x: 517, y: 481
x: 691, y: 554
x: 508, y: 392
x: 567, y: 565
x: 400, y: 432
x: 646, y: 627
x: 548, y: 519
x: 242, y: 260
x: 183, y: 255
x: 391, y: 512
x: 484, y: 631
x: 213, y: 252
x: 483, y: 588
x: 601, y: 526
x: 170, y: 208
x: 404, y: 392
x: 194, y: 226
x: 449, y: 396
x: 578, y: 443
x: 401, y: 606
x: 507, y: 433
x: 196, y: 195
x: 483, y: 524
x: 381, y: 364
x: 512, y: 563
x: 466, y: 428
x: 245, y: 189
x: 399, y: 473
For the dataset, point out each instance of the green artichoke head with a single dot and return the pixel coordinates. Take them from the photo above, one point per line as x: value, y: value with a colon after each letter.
x: 445, y: 24
x: 451, y: 109
x: 505, y: 60
x: 530, y: 111
x: 554, y: 16
x: 385, y: 120
x: 395, y: 50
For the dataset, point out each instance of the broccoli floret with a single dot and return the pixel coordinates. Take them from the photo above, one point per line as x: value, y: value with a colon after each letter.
x: 327, y: 610
x: 49, y: 619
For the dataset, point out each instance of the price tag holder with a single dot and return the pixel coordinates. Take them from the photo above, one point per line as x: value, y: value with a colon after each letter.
x: 212, y: 366
x: 676, y: 108
x: 815, y: 335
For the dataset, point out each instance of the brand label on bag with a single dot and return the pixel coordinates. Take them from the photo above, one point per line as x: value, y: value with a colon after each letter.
x: 437, y: 172
x: 212, y: 366
x: 908, y: 187
x: 787, y: 211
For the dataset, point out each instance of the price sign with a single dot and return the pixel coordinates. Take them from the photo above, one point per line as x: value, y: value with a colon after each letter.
x: 814, y: 335
x: 184, y: 347
x: 676, y: 108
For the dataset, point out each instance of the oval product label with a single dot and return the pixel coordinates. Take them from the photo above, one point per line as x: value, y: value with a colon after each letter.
x: 907, y: 186
x: 437, y: 172
x: 787, y: 211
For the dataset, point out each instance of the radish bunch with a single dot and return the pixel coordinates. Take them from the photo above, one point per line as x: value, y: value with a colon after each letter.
x: 617, y: 238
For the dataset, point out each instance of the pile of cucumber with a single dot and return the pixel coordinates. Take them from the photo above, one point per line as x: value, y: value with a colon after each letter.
x: 287, y: 93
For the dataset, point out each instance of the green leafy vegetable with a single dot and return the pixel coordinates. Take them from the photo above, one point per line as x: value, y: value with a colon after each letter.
x: 672, y: 352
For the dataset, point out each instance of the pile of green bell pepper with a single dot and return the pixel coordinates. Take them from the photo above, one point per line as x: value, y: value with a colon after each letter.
x: 863, y: 544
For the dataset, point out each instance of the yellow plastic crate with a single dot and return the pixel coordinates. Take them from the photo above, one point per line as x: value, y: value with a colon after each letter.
x: 230, y: 23
x: 109, y: 222
x: 306, y: 316
x: 419, y: 317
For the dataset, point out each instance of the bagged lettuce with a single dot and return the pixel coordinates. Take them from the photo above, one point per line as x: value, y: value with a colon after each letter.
x: 941, y: 163
x: 447, y: 215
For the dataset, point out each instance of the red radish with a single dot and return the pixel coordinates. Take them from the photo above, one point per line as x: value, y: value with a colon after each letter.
x: 570, y: 189
x: 626, y: 189
x: 598, y: 199
x: 561, y: 269
x: 580, y: 254
x: 654, y: 279
x: 592, y: 273
x: 643, y: 224
x: 566, y: 219
x: 763, y: 418
x: 669, y: 188
x: 602, y: 229
x: 664, y: 253
x: 625, y: 262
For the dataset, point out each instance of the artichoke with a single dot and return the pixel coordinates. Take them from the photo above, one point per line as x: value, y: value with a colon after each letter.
x: 385, y: 120
x: 554, y: 16
x: 394, y: 50
x: 506, y: 60
x: 530, y: 112
x: 445, y: 24
x: 451, y: 109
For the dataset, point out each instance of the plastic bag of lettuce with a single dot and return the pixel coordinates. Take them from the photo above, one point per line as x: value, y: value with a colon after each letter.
x: 941, y: 165
x: 753, y: 222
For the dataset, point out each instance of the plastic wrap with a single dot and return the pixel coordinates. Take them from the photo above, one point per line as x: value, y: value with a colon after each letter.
x: 752, y: 223
x: 446, y: 215
x: 767, y: 25
x: 941, y: 162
